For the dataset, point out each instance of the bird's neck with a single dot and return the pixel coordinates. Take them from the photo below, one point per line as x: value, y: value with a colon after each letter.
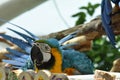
x: 57, y: 68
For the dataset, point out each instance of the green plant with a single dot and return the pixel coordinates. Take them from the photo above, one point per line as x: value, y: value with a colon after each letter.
x: 90, y: 8
x: 103, y: 54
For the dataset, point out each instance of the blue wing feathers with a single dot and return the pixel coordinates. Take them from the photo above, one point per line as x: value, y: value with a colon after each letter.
x: 27, y: 38
x: 19, y: 60
x: 77, y: 60
x: 14, y: 62
x: 17, y: 53
x: 31, y: 34
x: 13, y: 57
x: 65, y: 39
x: 108, y: 7
x: 106, y: 11
x: 107, y: 27
x: 115, y: 1
x: 72, y: 35
x: 106, y: 20
x: 22, y: 44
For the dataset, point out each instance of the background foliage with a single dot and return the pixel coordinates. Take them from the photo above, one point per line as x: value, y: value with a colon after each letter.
x: 102, y: 53
x: 87, y: 10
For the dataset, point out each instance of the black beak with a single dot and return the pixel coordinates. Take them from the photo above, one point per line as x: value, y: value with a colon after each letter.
x: 36, y: 56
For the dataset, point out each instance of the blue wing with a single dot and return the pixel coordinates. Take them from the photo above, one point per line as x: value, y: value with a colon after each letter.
x: 22, y: 44
x: 106, y: 10
x: 70, y: 36
x: 77, y: 60
x: 19, y: 59
x: 31, y: 34
x: 115, y: 1
x: 26, y: 37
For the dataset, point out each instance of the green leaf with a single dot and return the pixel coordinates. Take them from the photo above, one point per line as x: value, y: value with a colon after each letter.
x: 76, y: 15
x: 90, y: 8
x: 81, y: 18
x: 83, y: 7
x: 96, y: 6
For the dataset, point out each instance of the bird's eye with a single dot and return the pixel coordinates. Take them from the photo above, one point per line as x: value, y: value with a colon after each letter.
x: 43, y: 47
x: 46, y: 47
x: 37, y: 44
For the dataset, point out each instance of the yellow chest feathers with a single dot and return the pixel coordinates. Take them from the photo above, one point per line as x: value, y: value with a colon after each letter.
x: 57, y: 68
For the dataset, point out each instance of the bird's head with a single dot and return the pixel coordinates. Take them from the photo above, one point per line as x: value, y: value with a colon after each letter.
x: 41, y: 53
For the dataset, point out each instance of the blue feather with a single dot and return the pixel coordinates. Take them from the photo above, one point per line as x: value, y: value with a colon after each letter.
x: 115, y: 1
x: 19, y: 63
x: 108, y: 7
x: 72, y: 35
x: 13, y: 57
x: 77, y: 60
x: 17, y: 53
x: 15, y: 63
x: 106, y: 10
x: 33, y: 36
x: 29, y: 39
x: 108, y: 31
x: 22, y: 44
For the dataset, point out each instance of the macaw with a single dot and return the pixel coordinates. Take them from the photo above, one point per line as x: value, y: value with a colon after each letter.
x: 47, y: 54
x: 106, y: 12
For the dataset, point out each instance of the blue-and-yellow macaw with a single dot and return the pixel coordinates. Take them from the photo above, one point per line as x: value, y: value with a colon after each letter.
x: 46, y: 54
x: 106, y: 12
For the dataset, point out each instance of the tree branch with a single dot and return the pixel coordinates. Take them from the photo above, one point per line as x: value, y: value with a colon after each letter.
x: 91, y: 30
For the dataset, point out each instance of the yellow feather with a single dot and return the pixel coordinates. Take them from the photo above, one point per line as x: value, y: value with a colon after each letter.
x: 57, y: 68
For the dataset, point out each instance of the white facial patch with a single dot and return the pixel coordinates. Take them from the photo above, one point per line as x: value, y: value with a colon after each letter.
x: 46, y: 57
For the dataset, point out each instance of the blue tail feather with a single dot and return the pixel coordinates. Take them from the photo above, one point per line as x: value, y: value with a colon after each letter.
x: 15, y: 63
x: 108, y: 7
x: 19, y: 60
x: 106, y: 20
x: 22, y: 44
x: 17, y: 53
x: 106, y: 10
x: 13, y: 57
x: 72, y: 35
x: 31, y: 34
x: 109, y: 31
x: 26, y: 37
